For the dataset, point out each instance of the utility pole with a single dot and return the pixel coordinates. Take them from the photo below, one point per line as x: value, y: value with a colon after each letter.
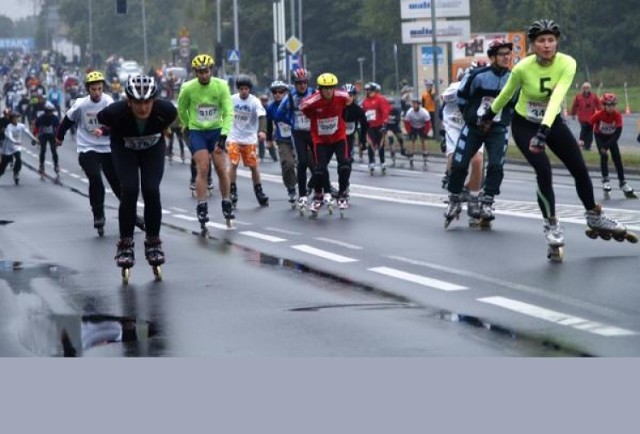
x: 144, y: 38
x: 436, y: 80
x: 361, y: 61
x: 236, y: 38
x: 90, y: 31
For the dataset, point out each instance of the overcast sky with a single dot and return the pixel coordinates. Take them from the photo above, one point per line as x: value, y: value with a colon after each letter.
x: 16, y: 9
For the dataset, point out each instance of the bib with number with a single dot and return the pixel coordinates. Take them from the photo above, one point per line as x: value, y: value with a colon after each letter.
x: 371, y: 115
x: 207, y: 113
x: 91, y: 120
x: 328, y: 126
x: 351, y: 127
x: 142, y: 142
x: 485, y: 104
x: 536, y: 111
x: 607, y: 129
x: 302, y: 122
x: 285, y: 129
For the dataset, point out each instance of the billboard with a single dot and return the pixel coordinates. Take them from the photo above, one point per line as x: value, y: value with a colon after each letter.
x: 425, y: 64
x: 420, y: 32
x: 410, y: 9
x: 477, y: 44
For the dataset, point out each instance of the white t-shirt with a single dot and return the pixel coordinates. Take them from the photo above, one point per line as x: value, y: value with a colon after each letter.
x: 84, y: 112
x: 417, y: 118
x: 246, y: 112
x: 451, y: 115
x: 13, y: 138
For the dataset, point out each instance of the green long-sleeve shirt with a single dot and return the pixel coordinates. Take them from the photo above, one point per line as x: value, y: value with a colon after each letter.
x: 206, y: 107
x: 542, y: 88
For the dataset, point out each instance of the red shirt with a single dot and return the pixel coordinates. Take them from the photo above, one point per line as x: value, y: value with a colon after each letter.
x: 585, y: 106
x: 606, y: 123
x: 377, y: 109
x: 327, y: 125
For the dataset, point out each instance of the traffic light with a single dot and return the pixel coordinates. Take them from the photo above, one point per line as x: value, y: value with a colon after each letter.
x: 121, y: 7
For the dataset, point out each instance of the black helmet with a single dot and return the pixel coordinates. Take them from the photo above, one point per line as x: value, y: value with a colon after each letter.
x: 244, y: 80
x: 543, y: 27
x: 141, y: 88
x: 497, y: 44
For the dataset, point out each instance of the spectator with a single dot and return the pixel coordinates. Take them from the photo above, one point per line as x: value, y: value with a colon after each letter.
x: 585, y: 105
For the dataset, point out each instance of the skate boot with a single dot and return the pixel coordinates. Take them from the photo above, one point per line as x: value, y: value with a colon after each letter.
x: 16, y: 179
x: 453, y: 209
x: 486, y: 211
x: 606, y: 188
x: 555, y: 239
x: 262, y: 198
x: 327, y: 200
x: 424, y: 161
x: 202, y: 211
x: 56, y: 169
x: 445, y: 181
x: 411, y: 161
x: 372, y: 168
x: 316, y: 204
x: 393, y: 158
x: 599, y: 225
x: 628, y: 191
x: 227, y: 212
x: 291, y: 193
x: 41, y: 172
x: 125, y: 257
x: 182, y: 156
x: 383, y: 169
x: 302, y: 204
x: 473, y: 211
x: 233, y: 194
x: 98, y: 224
x: 343, y: 204
x: 154, y: 254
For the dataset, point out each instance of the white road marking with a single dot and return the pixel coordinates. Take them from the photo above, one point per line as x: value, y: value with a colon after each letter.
x: 282, y: 231
x: 323, y: 254
x: 175, y: 208
x: 339, y: 243
x: 416, y: 278
x: 74, y: 175
x: 264, y: 237
x: 85, y: 180
x: 557, y: 317
x: 218, y: 226
x: 186, y: 217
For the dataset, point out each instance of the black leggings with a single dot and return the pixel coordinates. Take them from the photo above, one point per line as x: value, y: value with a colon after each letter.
x: 139, y: 169
x: 601, y: 141
x: 94, y: 164
x: 44, y: 140
x: 323, y: 154
x: 17, y: 164
x: 562, y: 142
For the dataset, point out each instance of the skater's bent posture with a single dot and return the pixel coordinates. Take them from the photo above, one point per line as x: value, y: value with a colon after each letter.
x: 544, y: 78
x: 136, y: 126
x: 12, y: 146
x: 328, y: 131
x: 249, y: 127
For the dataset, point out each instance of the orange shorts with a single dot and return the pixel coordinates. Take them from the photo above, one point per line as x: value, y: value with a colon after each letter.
x: 247, y: 152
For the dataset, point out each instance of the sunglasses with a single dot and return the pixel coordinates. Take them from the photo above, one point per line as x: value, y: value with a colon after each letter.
x: 278, y: 91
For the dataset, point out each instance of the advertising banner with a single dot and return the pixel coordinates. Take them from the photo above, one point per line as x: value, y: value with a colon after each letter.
x: 411, y: 9
x: 420, y: 32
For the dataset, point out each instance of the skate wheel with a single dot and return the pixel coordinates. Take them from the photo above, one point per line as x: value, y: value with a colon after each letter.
x: 126, y: 273
x: 157, y: 272
x: 485, y: 224
x: 619, y: 237
x: 229, y: 223
x: 605, y: 236
x: 555, y: 254
x: 591, y: 234
x: 631, y: 237
x: 330, y: 211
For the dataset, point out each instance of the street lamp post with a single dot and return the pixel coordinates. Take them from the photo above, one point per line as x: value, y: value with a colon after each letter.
x: 144, y: 37
x: 361, y: 61
x: 91, y: 31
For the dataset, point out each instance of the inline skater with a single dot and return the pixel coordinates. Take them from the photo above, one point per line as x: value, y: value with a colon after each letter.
x: 544, y: 77
x: 175, y: 131
x: 289, y: 112
x: 428, y: 100
x: 265, y: 145
x: 136, y: 127
x: 476, y: 93
x: 328, y: 129
x: 280, y: 132
x: 12, y: 146
x: 394, y: 131
x: 46, y: 126
x: 248, y: 127
x: 607, y: 127
x: 356, y: 121
x: 376, y: 108
x: 417, y: 123
x: 206, y: 112
x: 94, y: 151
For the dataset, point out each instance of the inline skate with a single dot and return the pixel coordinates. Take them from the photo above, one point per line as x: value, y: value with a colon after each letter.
x: 473, y: 211
x: 154, y: 254
x: 628, y: 191
x: 99, y: 221
x: 343, y: 204
x: 606, y: 188
x: 315, y: 205
x: 454, y: 208
x: 202, y: 211
x: 291, y: 193
x: 262, y: 198
x: 125, y: 257
x: 227, y: 212
x: 599, y: 225
x: 486, y: 211
x: 555, y: 239
x: 233, y: 194
x: 302, y: 204
x: 328, y: 201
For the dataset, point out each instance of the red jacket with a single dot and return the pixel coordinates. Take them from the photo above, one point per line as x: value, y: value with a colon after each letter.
x: 377, y: 110
x: 585, y: 106
x: 606, y: 123
x: 327, y: 124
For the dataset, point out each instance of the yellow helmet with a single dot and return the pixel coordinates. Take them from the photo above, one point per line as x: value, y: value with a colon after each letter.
x: 327, y: 80
x: 94, y: 77
x: 202, y: 61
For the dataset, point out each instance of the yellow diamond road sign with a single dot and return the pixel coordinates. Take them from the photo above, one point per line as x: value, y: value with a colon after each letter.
x: 293, y: 45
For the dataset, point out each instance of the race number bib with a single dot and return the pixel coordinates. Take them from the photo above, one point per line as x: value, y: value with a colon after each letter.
x: 351, y: 127
x: 457, y: 120
x: 607, y: 129
x: 285, y: 129
x: 328, y: 126
x: 91, y: 120
x: 536, y: 111
x: 207, y: 113
x: 485, y: 104
x: 302, y: 122
x: 47, y: 129
x: 142, y: 142
x: 242, y: 117
x: 371, y: 115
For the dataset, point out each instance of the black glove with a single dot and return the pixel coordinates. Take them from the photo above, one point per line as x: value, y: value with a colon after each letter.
x: 443, y: 145
x: 638, y: 138
x: 539, y: 142
x: 484, y: 121
x: 34, y: 142
x: 222, y: 142
x: 383, y: 129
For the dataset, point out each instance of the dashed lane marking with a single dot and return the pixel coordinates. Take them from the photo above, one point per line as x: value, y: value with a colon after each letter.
x: 338, y: 243
x: 264, y: 237
x: 323, y: 253
x: 556, y: 317
x: 416, y: 278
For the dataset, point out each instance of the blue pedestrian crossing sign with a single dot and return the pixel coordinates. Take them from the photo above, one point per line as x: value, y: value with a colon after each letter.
x: 233, y: 56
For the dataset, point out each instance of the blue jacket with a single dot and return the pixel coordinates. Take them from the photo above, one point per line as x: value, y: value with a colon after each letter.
x: 480, y: 87
x: 288, y: 110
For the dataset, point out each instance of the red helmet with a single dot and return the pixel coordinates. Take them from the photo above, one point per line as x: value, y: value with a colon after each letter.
x: 496, y: 44
x: 609, y: 99
x: 299, y: 75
